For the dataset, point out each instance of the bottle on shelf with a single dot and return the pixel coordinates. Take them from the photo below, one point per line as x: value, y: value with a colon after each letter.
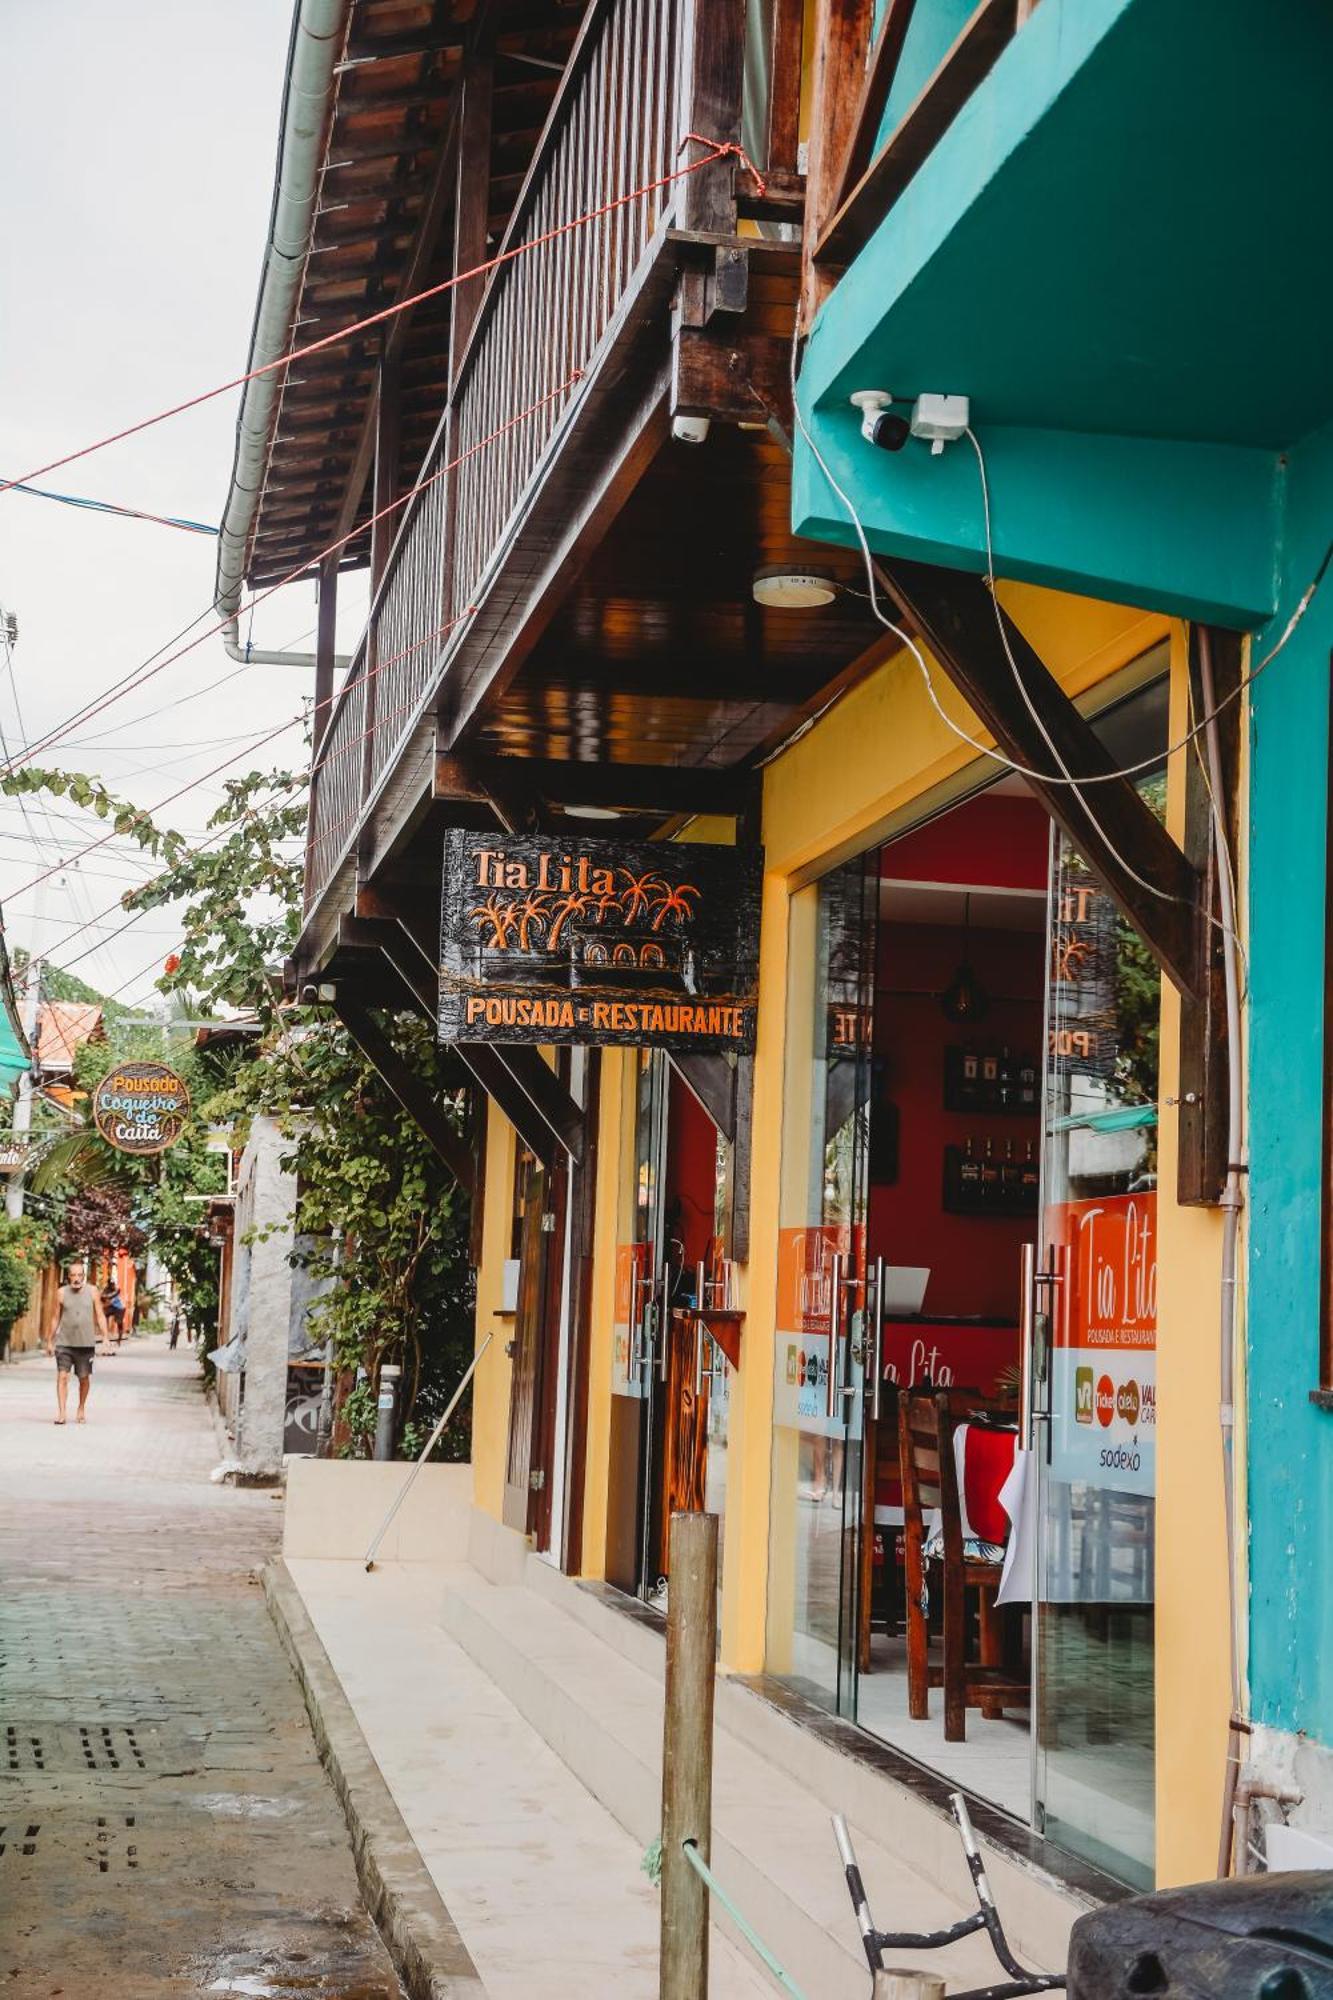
x: 1027, y: 1084
x: 990, y: 1173
x: 1031, y: 1179
x: 969, y: 1174
x: 1005, y: 1080
x: 1011, y: 1173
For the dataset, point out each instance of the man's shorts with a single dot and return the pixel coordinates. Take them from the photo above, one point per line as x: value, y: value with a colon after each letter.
x: 80, y: 1359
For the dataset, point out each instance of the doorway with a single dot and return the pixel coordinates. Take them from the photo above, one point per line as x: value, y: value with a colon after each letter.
x: 671, y: 1375
x: 971, y: 1097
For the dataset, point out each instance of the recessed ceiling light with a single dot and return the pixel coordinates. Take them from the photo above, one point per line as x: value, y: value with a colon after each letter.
x: 591, y: 812
x: 782, y: 588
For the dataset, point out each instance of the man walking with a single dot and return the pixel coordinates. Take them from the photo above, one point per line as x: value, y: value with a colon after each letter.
x: 75, y: 1330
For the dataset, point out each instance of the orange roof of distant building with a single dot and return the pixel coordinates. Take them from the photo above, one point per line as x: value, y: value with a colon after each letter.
x: 63, y: 1026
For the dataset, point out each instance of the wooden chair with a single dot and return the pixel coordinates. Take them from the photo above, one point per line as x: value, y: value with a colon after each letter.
x: 926, y: 1423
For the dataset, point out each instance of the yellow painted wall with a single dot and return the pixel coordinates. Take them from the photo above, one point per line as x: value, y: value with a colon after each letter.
x: 490, y: 1392
x: 1193, y: 1677
x: 617, y: 1065
x: 877, y: 762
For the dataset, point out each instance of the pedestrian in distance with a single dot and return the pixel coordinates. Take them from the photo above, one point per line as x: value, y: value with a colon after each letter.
x: 177, y: 1326
x: 113, y: 1307
x: 78, y: 1324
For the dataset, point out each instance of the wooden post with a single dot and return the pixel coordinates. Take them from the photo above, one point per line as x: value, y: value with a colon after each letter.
x: 898, y: 1983
x: 325, y: 648
x: 687, y: 1753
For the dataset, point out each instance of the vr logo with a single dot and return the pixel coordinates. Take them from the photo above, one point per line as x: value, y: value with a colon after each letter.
x: 1083, y: 1400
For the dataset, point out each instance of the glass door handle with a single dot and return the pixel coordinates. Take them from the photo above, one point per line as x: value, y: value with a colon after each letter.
x: 875, y: 1345
x: 834, y: 1329
x: 663, y: 1324
x: 1034, y: 1339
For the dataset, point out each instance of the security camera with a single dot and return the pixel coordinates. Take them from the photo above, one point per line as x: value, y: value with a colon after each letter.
x: 879, y: 425
x: 689, y: 430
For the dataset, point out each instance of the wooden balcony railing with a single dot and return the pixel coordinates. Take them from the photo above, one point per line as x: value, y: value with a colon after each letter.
x: 641, y: 72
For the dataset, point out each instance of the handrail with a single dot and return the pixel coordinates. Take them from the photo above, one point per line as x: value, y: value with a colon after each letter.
x: 743, y: 1925
x: 431, y: 1443
x: 575, y: 65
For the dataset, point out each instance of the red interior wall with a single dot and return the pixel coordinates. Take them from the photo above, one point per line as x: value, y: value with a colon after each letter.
x: 973, y: 1259
x: 1000, y: 840
x: 691, y: 1172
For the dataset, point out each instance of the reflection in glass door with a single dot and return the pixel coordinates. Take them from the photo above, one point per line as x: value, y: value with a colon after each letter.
x: 817, y: 1480
x: 1096, y: 1383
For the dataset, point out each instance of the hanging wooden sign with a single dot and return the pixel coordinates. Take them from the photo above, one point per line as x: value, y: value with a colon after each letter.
x: 141, y: 1107
x: 13, y: 1155
x: 604, y: 943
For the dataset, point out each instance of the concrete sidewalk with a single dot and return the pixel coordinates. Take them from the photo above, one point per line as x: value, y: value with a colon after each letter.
x: 545, y: 1886
x: 165, y: 1826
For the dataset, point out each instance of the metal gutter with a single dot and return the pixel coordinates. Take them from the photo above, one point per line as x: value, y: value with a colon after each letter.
x: 319, y: 32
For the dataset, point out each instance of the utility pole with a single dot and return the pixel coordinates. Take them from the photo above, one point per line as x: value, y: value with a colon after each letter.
x: 32, y: 1001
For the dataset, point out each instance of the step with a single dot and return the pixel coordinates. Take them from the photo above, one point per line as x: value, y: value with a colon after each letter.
x: 588, y: 1678
x: 542, y: 1883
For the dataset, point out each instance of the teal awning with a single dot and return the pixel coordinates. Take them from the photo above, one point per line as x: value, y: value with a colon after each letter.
x: 1115, y: 252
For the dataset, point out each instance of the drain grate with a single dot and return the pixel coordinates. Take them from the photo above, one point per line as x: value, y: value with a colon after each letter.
x: 23, y: 1750
x: 18, y: 1840
x: 59, y: 1750
x: 109, y: 1748
x: 115, y: 1843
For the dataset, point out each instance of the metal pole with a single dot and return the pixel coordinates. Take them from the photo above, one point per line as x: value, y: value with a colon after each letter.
x: 687, y: 1753
x: 386, y: 1406
x: 431, y: 1443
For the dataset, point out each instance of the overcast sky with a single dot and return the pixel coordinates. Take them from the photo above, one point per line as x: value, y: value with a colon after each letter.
x: 137, y: 148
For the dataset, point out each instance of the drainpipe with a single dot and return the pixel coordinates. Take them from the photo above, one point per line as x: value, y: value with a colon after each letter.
x: 1232, y: 1202
x: 319, y: 31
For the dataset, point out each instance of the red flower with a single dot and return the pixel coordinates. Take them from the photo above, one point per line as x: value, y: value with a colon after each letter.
x: 171, y: 963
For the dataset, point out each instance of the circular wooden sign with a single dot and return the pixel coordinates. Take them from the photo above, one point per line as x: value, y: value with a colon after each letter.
x: 141, y: 1107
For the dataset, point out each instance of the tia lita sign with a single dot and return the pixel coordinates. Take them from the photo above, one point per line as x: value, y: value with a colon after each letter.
x: 141, y: 1107
x: 606, y: 943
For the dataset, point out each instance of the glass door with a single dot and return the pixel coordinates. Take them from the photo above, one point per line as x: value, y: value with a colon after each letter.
x: 815, y: 1565
x: 1092, y: 1378
x: 652, y: 1287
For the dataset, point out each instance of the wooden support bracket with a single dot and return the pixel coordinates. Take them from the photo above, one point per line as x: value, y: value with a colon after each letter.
x: 1205, y: 1053
x: 1157, y: 887
x: 404, y: 1085
x: 544, y: 1115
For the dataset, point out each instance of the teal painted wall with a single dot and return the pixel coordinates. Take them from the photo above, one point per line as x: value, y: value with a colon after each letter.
x: 935, y: 27
x: 1290, y: 1441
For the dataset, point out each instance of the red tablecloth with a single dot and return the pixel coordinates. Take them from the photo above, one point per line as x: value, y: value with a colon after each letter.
x: 984, y: 1458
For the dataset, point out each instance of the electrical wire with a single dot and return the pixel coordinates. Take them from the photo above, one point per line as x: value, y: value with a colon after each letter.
x: 988, y: 750
x: 140, y: 677
x: 719, y: 149
x: 108, y: 507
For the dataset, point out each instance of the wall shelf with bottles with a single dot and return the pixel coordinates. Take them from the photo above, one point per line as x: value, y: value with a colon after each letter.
x: 997, y: 1081
x: 981, y: 1178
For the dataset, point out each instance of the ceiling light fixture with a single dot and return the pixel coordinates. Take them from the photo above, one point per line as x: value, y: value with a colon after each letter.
x: 781, y: 588
x: 591, y: 812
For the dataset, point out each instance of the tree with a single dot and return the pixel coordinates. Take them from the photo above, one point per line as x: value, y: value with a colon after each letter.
x: 380, y: 1222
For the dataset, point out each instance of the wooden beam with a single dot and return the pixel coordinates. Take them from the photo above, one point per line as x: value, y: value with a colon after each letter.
x: 1113, y: 829
x: 668, y: 788
x: 498, y: 1081
x: 387, y: 433
x: 723, y: 372
x: 784, y: 94
x: 547, y: 1095
x: 875, y: 89
x: 841, y: 37
x: 325, y: 648
x: 1205, y: 1054
x: 472, y: 183
x: 716, y: 29
x: 711, y: 1081
x: 971, y: 58
x: 408, y: 1090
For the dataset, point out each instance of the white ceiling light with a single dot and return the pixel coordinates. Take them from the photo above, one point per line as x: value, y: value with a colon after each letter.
x: 782, y: 588
x: 591, y: 812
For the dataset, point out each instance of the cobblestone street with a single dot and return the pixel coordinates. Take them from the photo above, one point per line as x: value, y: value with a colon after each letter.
x: 165, y: 1825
